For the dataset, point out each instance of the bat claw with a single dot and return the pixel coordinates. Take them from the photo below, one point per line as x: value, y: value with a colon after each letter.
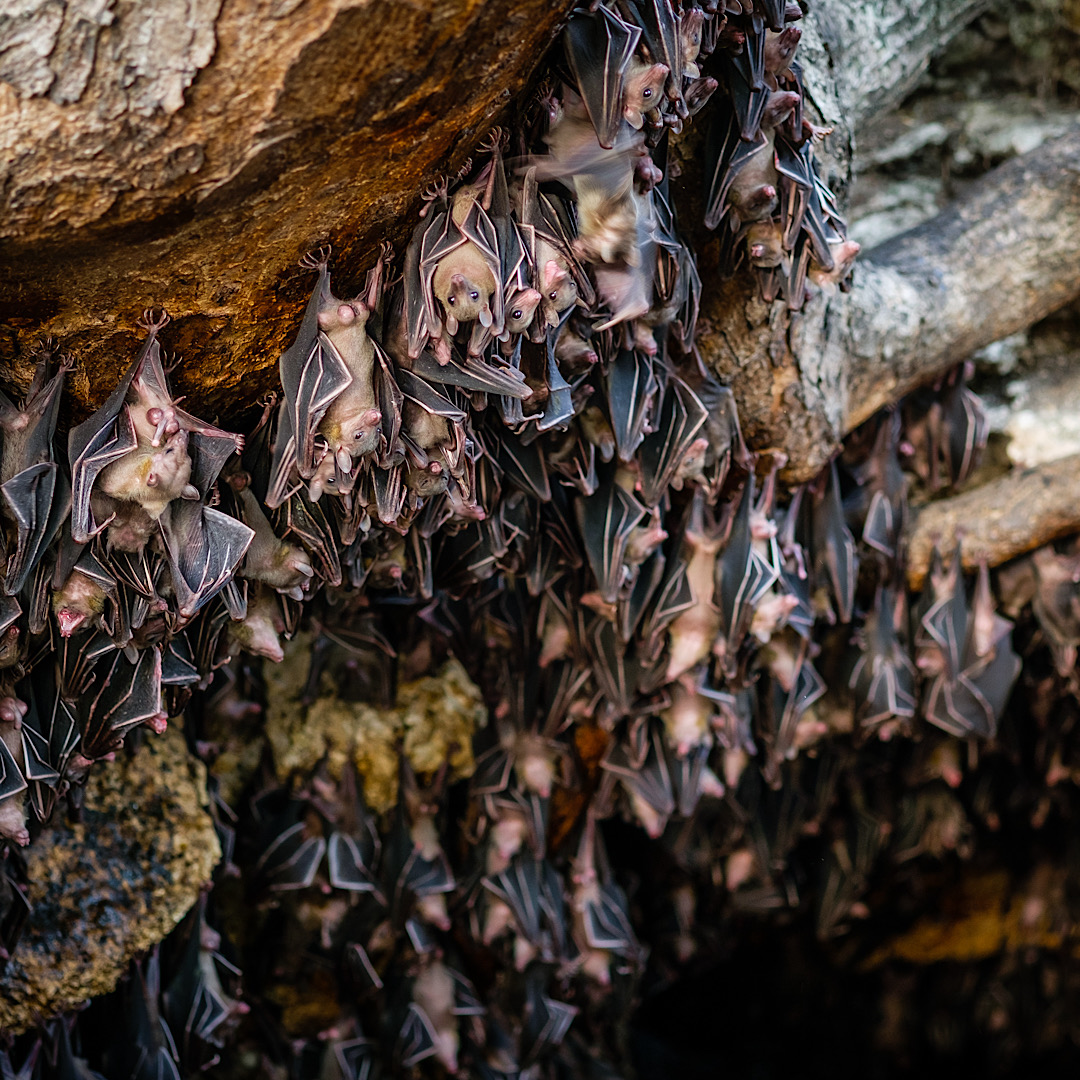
x: 317, y: 258
x: 152, y: 323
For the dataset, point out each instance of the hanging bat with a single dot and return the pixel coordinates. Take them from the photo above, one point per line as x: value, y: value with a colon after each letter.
x: 833, y: 547
x: 887, y: 487
x: 123, y: 696
x: 13, y: 783
x: 151, y: 1052
x: 205, y: 547
x: 606, y: 522
x: 82, y: 597
x: 269, y: 560
x: 599, y: 46
x: 36, y: 493
x: 640, y: 764
x: 546, y: 1020
x: 453, y: 258
x: 883, y: 677
x: 141, y: 446
x: 197, y: 1006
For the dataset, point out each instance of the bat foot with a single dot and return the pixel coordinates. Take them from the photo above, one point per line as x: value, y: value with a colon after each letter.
x: 151, y: 322
x: 317, y: 258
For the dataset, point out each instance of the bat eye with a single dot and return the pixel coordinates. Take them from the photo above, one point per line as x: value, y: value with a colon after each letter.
x: 474, y: 295
x: 646, y: 93
x: 517, y: 313
x: 553, y: 295
x: 451, y: 299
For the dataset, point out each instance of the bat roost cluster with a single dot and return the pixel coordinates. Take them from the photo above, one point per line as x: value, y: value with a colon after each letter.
x: 514, y: 443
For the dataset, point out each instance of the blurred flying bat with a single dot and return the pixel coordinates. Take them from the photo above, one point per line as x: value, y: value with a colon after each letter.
x: 141, y: 447
x: 205, y: 548
x: 599, y: 45
x: 36, y: 492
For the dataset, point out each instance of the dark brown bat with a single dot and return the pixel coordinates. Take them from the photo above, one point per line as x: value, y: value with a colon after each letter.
x: 151, y: 1053
x: 599, y: 45
x: 832, y: 545
x: 884, y: 677
x: 606, y: 521
x: 205, y: 548
x: 123, y: 696
x: 36, y: 492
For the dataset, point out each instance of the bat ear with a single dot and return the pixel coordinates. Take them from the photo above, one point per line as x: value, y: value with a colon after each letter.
x: 451, y: 324
x: 485, y: 316
x: 190, y: 492
x: 554, y: 275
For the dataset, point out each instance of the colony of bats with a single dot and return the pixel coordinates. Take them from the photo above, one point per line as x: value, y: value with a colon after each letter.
x: 508, y: 436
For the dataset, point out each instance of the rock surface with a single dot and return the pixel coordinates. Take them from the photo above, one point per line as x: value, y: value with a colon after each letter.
x: 112, y: 886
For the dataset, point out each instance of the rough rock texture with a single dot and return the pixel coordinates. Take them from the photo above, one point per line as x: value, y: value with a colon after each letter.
x: 109, y: 888
x: 185, y: 154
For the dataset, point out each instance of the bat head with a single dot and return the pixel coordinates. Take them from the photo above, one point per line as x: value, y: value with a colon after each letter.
x: 764, y: 244
x: 690, y: 24
x: 780, y: 106
x: 644, y: 83
x: 12, y: 711
x: 520, y: 308
x: 338, y: 315
x: 559, y: 290
x: 466, y: 300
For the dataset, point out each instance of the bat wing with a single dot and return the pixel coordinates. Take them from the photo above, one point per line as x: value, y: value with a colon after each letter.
x: 416, y: 1041
x: 546, y: 1022
x: 205, y: 547
x: 355, y: 1057
x: 606, y: 521
x: 29, y: 498
x: 598, y: 47
x: 834, y: 552
x: 428, y: 398
x: 292, y: 859
x: 492, y: 773
x: 682, y: 416
x: 125, y: 696
x: 686, y: 773
x: 518, y: 886
x: 675, y: 596
x: 473, y: 374
x: 323, y: 378
x: 523, y: 465
x: 559, y: 410
x: 12, y: 780
x: 616, y: 670
x: 631, y: 385
x: 607, y: 924
x: 346, y: 865
x: 88, y: 457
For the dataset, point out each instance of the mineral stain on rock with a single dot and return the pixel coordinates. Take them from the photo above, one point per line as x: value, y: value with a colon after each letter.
x: 108, y: 888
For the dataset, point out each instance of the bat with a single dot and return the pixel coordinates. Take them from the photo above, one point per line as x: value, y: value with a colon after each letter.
x: 833, y: 547
x: 314, y: 373
x: 260, y: 626
x: 546, y: 1020
x: 606, y: 522
x: 883, y: 677
x: 197, y: 1006
x: 453, y: 258
x: 641, y: 766
x: 887, y: 510
x: 631, y: 390
x: 151, y: 1054
x: 204, y: 547
x: 599, y: 45
x: 84, y: 594
x: 269, y: 560
x: 13, y: 783
x: 36, y: 492
x: 682, y: 417
x: 141, y: 447
x: 123, y: 696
